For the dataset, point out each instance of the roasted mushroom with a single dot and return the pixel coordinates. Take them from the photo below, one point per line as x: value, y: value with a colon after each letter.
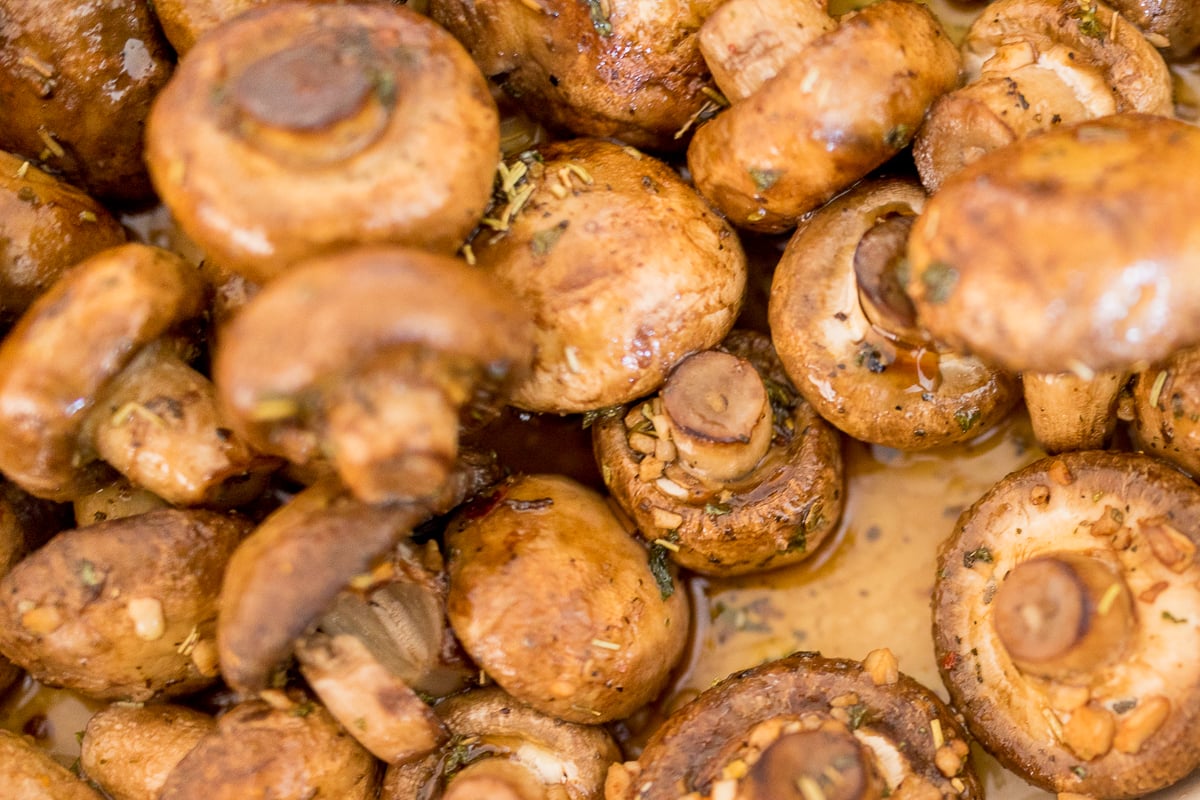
x: 1070, y: 412
x: 299, y: 128
x: 727, y: 468
x: 624, y: 268
x: 1170, y: 24
x: 559, y: 605
x: 823, y: 108
x: 130, y: 749
x: 849, y: 339
x: 1065, y: 623
x: 805, y: 727
x: 1166, y: 409
x: 185, y: 21
x: 1033, y: 65
x: 28, y: 773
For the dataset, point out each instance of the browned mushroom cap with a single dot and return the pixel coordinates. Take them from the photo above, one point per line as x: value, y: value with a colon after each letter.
x: 130, y: 750
x: 624, y: 268
x: 502, y: 749
x: 299, y: 128
x: 185, y: 21
x: 1096, y: 271
x: 123, y: 609
x: 1035, y: 64
x: 288, y: 749
x: 1073, y: 413
x: 374, y: 358
x: 47, y: 225
x: 622, y: 69
x: 1065, y: 603
x: 558, y: 604
x: 1166, y: 405
x: 841, y: 106
x: 693, y: 472
x: 1171, y: 24
x: 26, y: 771
x: 805, y: 726
x: 847, y: 334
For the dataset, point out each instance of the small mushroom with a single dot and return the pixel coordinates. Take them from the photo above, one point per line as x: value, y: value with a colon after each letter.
x: 805, y: 727
x: 124, y: 609
x: 822, y: 112
x: 624, y: 268
x: 1096, y: 272
x: 29, y: 772
x: 1032, y: 65
x: 502, y: 749
x: 1166, y: 409
x: 727, y: 469
x: 1069, y: 412
x: 399, y: 349
x: 129, y: 750
x: 848, y: 336
x: 1170, y: 24
x: 1064, y: 601
x: 559, y: 605
x: 118, y: 387
x: 299, y: 128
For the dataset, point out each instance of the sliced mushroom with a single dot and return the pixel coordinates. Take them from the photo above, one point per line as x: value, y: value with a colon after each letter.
x: 1070, y: 412
x: 848, y: 336
x: 557, y: 603
x: 124, y: 609
x: 1166, y: 406
x: 399, y: 349
x: 624, y: 268
x: 299, y: 128
x: 804, y: 727
x: 1035, y: 64
x: 728, y: 469
x: 827, y: 112
x: 502, y: 748
x: 29, y: 772
x: 130, y: 750
x: 1096, y: 272
x: 1063, y: 604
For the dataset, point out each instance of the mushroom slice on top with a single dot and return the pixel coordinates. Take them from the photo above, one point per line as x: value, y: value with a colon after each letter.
x: 299, y: 128
x: 1067, y: 619
x: 847, y: 333
x: 827, y: 110
x: 805, y: 727
x: 728, y: 470
x: 1166, y: 407
x: 1097, y: 268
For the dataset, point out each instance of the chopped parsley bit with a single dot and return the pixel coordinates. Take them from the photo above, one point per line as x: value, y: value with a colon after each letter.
x: 1079, y: 771
x: 979, y: 554
x: 799, y: 541
x: 1088, y: 24
x: 716, y: 509
x: 88, y: 574
x: 385, y: 88
x: 966, y: 419
x: 898, y: 136
x: 459, y: 756
x: 660, y: 570
x: 302, y: 709
x: 857, y: 713
x: 764, y: 179
x: 1169, y: 617
x: 590, y: 418
x: 939, y: 280
x: 599, y: 19
x: 543, y: 241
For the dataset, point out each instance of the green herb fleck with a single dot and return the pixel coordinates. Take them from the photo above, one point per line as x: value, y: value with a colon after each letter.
x: 1169, y: 617
x: 590, y: 418
x: 870, y: 357
x: 978, y: 554
x: 898, y: 137
x: 88, y: 574
x: 764, y: 179
x: 599, y: 20
x: 1079, y: 771
x: 543, y: 241
x: 798, y: 542
x: 857, y: 713
x: 966, y: 419
x: 360, y: 723
x: 385, y: 88
x: 939, y: 280
x: 661, y: 571
x: 303, y: 709
x: 79, y: 737
x: 457, y: 757
x: 1088, y: 24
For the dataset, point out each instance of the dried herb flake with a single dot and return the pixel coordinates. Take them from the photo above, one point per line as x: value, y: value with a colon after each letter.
x: 978, y: 554
x: 939, y: 280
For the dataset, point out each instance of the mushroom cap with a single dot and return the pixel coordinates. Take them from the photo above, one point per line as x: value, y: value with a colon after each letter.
x: 185, y: 21
x: 625, y: 269
x: 1097, y: 268
x: 299, y: 128
x: 805, y: 135
x: 628, y: 69
x: 130, y: 750
x: 1176, y: 20
x: 1166, y: 408
x: 927, y: 396
x: 70, y: 343
x: 28, y: 771
x: 1133, y: 512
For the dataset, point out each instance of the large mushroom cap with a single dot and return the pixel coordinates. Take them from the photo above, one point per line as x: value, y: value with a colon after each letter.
x: 1074, y: 250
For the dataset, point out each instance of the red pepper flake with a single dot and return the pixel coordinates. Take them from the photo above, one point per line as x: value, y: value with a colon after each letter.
x: 949, y: 661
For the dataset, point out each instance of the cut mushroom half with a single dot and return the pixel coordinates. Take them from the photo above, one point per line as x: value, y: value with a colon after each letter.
x: 1064, y: 604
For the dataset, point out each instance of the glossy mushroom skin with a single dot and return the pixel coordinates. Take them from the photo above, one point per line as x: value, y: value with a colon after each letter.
x: 130, y: 750
x: 886, y: 712
x: 1170, y: 24
x: 47, y: 225
x: 624, y: 268
x: 76, y: 89
x: 777, y: 513
x: 1098, y: 270
x: 851, y: 346
x: 592, y: 645
x: 27, y: 771
x: 797, y: 141
x: 624, y: 69
x: 1116, y: 714
x: 1166, y: 407
x: 122, y: 610
x: 299, y: 128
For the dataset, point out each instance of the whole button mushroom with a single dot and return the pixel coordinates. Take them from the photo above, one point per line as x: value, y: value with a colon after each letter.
x: 76, y: 89
x: 848, y: 336
x: 1035, y: 64
x: 624, y: 268
x: 822, y: 112
x: 727, y: 469
x: 1166, y: 409
x: 558, y: 604
x: 129, y: 750
x: 117, y: 387
x: 299, y: 128
x: 1065, y: 612
x: 623, y: 68
x: 1097, y: 268
x: 397, y: 352
x: 805, y: 727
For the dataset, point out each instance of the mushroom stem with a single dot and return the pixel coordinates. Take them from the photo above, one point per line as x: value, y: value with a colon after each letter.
x: 495, y: 779
x: 719, y: 415
x: 1064, y: 615
x: 1070, y: 412
x: 879, y: 262
x: 820, y: 764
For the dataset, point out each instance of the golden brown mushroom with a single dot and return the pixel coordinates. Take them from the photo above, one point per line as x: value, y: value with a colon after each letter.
x: 129, y: 749
x: 29, y: 772
x: 1069, y: 412
x: 1066, y: 614
x: 1166, y: 408
x: 1170, y: 24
